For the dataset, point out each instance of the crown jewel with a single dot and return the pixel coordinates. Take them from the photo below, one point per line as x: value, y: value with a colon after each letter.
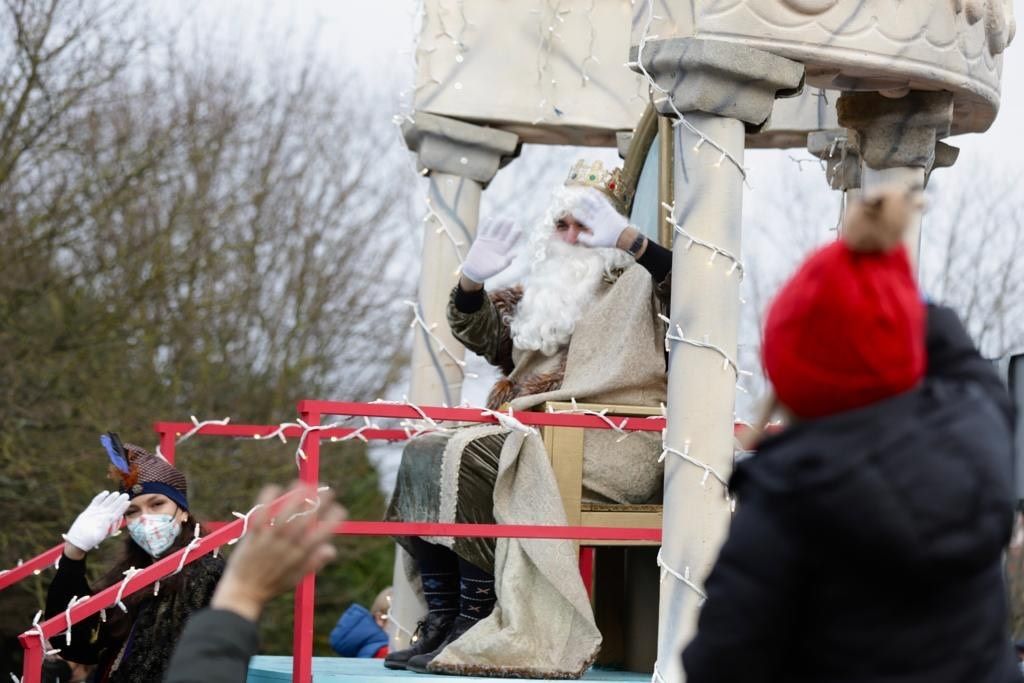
x: 610, y: 182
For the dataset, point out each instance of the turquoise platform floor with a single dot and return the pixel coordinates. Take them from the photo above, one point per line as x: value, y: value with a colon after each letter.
x: 328, y: 669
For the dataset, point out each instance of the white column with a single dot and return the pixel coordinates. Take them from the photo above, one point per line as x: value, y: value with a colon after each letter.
x: 701, y: 389
x: 721, y: 89
x: 449, y: 229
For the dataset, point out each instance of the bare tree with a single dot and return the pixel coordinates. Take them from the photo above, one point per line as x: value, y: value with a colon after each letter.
x: 973, y: 236
x: 186, y: 235
x: 973, y: 231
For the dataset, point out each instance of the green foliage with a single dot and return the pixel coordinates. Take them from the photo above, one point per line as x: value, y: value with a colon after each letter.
x: 182, y: 236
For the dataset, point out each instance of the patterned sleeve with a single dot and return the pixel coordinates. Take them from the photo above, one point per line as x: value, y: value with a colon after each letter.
x: 483, y: 331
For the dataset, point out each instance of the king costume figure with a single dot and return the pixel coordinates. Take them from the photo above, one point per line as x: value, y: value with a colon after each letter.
x: 583, y: 325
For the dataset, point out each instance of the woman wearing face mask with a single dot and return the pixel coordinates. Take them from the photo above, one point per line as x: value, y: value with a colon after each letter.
x: 152, y: 500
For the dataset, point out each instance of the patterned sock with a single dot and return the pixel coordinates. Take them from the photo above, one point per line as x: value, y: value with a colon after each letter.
x: 476, y: 592
x: 439, y: 573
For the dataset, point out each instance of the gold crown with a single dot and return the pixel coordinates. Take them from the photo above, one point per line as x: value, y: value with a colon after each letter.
x: 612, y: 183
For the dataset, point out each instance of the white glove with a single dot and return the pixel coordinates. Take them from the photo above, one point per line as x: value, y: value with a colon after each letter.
x: 99, y: 520
x: 491, y: 252
x: 593, y: 210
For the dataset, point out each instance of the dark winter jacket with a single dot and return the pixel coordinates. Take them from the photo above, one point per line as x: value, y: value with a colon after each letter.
x: 357, y: 634
x: 156, y: 622
x: 215, y: 648
x: 867, y: 546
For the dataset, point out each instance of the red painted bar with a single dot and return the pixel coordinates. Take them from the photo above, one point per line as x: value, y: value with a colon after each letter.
x: 538, y: 419
x: 33, y: 652
x: 176, y: 429
x: 305, y: 592
x: 105, y: 598
x: 168, y: 445
x: 587, y: 569
x: 572, y: 533
x: 11, y: 576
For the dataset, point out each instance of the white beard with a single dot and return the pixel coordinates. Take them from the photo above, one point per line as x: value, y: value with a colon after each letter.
x: 560, y: 289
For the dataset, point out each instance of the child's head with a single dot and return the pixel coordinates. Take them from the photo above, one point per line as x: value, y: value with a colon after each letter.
x: 380, y: 607
x: 848, y: 328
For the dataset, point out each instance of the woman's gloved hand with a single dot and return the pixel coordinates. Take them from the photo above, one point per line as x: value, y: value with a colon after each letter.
x: 491, y: 252
x: 98, y: 521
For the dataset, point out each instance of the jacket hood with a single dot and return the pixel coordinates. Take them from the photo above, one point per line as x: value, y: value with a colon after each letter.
x: 919, y: 479
x: 356, y: 634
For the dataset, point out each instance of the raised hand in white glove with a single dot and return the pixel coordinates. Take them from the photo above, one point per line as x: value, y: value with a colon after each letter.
x: 491, y: 252
x: 99, y: 520
x: 593, y: 210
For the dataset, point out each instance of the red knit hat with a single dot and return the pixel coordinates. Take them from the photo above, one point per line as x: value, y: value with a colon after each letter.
x: 846, y: 331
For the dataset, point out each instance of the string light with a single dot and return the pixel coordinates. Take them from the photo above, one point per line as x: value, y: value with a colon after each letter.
x: 683, y: 577
x: 591, y: 57
x: 128, y: 574
x: 727, y: 361
x: 709, y: 471
x: 508, y: 421
x: 279, y: 432
x: 545, y: 41
x: 75, y: 600
x: 38, y: 630
x: 680, y: 119
x: 314, y: 505
x: 428, y: 329
x: 195, y: 430
x: 432, y: 425
x: 670, y: 218
x: 188, y: 548
x: 457, y: 40
x: 602, y: 414
x: 300, y: 453
x: 20, y: 562
x: 432, y: 214
x: 245, y: 522
x: 391, y: 618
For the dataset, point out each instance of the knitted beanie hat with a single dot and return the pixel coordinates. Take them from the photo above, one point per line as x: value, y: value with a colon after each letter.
x: 139, y: 472
x: 848, y: 329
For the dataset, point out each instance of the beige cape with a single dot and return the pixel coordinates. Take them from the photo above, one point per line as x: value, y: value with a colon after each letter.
x: 543, y: 625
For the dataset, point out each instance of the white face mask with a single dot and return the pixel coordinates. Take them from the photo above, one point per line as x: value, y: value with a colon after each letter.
x: 154, y: 533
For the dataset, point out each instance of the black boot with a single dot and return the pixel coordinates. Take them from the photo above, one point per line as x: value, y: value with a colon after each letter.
x: 430, y: 633
x: 476, y: 600
x: 439, y: 573
x: 419, y: 662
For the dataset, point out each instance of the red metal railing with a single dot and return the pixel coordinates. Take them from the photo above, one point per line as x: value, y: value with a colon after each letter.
x: 11, y: 576
x: 32, y: 641
x: 311, y: 413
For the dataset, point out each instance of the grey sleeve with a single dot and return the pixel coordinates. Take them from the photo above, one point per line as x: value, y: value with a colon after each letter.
x: 214, y: 648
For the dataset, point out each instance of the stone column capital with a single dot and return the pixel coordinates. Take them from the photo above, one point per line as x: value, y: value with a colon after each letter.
x: 945, y: 156
x: 897, y: 132
x: 717, y: 77
x: 451, y: 146
x: 839, y: 148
